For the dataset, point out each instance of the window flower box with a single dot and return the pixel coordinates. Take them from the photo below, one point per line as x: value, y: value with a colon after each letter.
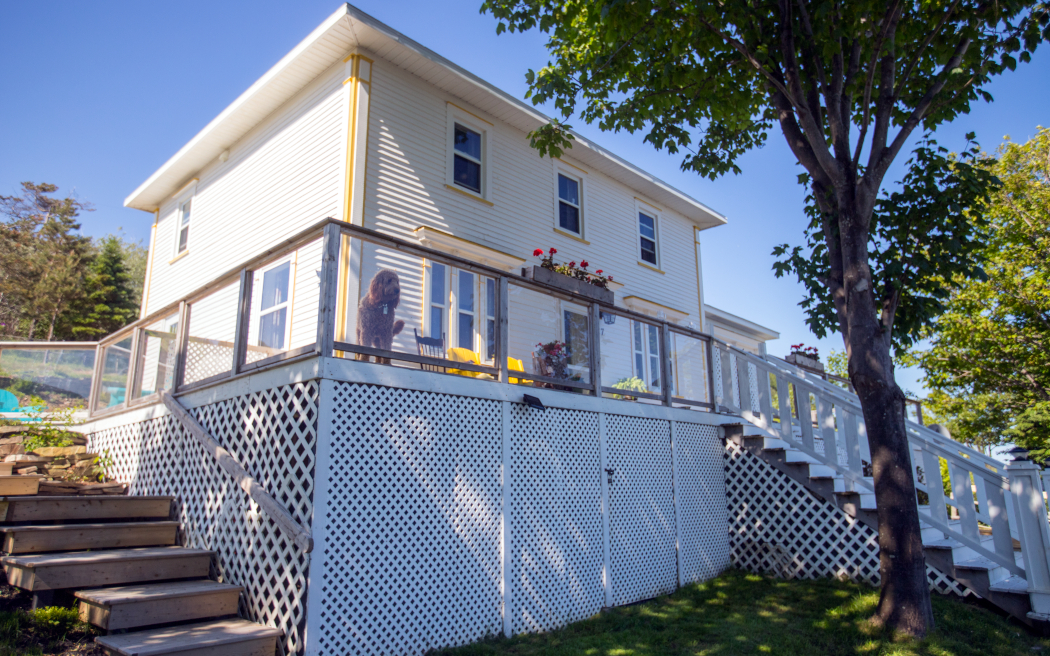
x: 561, y: 281
x: 805, y: 362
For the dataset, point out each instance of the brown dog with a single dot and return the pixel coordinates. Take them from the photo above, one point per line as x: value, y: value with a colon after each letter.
x: 375, y: 314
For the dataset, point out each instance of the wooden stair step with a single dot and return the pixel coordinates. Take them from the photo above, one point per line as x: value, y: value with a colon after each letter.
x: 16, y: 485
x: 94, y: 508
x: 222, y: 637
x: 79, y: 537
x: 94, y: 569
x: 132, y: 606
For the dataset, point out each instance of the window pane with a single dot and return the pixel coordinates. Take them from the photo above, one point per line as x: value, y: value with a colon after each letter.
x: 490, y: 339
x: 185, y: 213
x: 576, y: 338
x: 654, y: 340
x: 639, y: 365
x: 466, y: 291
x: 490, y: 297
x: 437, y: 284
x: 467, y: 174
x: 647, y: 226
x: 184, y: 237
x: 568, y: 217
x: 568, y: 189
x: 654, y: 370
x: 272, y: 329
x: 275, y: 286
x: 648, y: 251
x: 637, y: 336
x: 437, y: 322
x: 466, y: 331
x: 468, y: 141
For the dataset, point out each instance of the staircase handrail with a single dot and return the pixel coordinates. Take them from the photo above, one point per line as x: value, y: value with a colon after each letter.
x: 300, y: 535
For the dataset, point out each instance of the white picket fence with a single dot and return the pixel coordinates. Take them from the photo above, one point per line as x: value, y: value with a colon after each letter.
x: 1007, y: 499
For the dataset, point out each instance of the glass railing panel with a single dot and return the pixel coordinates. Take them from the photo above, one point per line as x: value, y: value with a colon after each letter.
x: 49, y: 379
x: 689, y: 368
x: 113, y: 377
x: 283, y: 307
x: 548, y: 336
x: 421, y: 308
x: 209, y: 343
x: 155, y: 369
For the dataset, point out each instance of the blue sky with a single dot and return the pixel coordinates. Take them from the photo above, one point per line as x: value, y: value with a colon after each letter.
x: 98, y: 95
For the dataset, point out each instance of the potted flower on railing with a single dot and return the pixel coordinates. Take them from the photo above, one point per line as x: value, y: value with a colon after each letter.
x: 807, y: 357
x: 572, y: 277
x: 552, y: 360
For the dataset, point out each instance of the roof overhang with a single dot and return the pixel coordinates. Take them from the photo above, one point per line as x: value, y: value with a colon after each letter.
x: 739, y: 324
x: 350, y: 28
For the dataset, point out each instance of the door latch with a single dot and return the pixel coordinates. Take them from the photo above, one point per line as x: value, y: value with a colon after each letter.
x: 609, y: 471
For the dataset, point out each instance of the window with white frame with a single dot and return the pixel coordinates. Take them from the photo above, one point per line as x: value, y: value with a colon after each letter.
x: 647, y: 240
x: 182, y: 228
x: 646, y: 348
x: 467, y: 153
x: 461, y: 309
x: 274, y: 303
x: 575, y: 328
x: 570, y: 205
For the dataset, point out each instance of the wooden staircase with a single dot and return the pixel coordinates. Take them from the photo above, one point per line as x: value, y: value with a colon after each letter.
x: 117, y: 557
x: 985, y: 577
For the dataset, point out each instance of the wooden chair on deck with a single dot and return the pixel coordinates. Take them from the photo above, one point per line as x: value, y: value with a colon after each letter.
x: 431, y: 347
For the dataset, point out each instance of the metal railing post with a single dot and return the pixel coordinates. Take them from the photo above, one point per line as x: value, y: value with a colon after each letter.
x: 594, y: 343
x: 666, y: 383
x: 133, y: 359
x: 329, y: 295
x: 181, y: 347
x: 240, y: 335
x: 96, y: 378
x: 711, y: 397
x: 503, y: 329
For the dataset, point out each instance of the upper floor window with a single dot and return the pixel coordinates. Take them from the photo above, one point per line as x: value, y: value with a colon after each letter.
x: 647, y: 242
x: 467, y: 159
x: 183, y: 227
x: 569, y: 205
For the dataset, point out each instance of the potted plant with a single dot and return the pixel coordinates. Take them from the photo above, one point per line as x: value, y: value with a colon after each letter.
x: 807, y: 357
x: 572, y: 277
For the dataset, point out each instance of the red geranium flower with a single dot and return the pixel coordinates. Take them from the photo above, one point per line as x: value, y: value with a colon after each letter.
x: 584, y: 264
x: 610, y: 278
x: 572, y: 264
x: 599, y: 272
x: 553, y: 251
x: 537, y: 252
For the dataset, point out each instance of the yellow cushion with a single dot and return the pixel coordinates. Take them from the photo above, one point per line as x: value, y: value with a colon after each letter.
x: 514, y: 364
x: 459, y: 354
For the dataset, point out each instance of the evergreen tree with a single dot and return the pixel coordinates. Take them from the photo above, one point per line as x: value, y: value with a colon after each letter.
x: 109, y: 303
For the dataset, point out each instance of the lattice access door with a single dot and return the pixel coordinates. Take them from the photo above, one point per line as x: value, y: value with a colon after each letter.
x: 641, y: 509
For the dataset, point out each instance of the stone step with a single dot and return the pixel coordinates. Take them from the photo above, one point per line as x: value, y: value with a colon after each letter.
x: 94, y: 569
x: 16, y: 485
x: 80, y: 537
x: 83, y: 509
x: 133, y: 606
x: 226, y: 637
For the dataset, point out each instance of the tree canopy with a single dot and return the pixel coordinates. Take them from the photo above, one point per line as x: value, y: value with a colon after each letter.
x: 989, y: 362
x: 56, y: 283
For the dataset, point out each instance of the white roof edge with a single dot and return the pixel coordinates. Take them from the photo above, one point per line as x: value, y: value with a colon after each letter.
x: 759, y: 331
x: 347, y: 10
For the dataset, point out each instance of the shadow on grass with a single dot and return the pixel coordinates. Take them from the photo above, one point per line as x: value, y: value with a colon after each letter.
x: 740, y: 613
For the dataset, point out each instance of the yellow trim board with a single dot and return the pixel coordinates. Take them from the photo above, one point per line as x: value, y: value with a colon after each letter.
x: 179, y: 256
x: 649, y: 203
x: 566, y: 233
x: 467, y: 111
x: 654, y: 304
x: 469, y: 195
x: 584, y: 171
x: 359, y: 56
x: 186, y: 186
x: 651, y: 267
x: 467, y: 241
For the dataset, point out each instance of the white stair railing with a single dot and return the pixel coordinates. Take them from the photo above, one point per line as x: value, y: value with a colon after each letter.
x: 990, y: 504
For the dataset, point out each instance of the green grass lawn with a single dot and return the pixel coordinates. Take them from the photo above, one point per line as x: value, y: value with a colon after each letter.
x: 740, y: 613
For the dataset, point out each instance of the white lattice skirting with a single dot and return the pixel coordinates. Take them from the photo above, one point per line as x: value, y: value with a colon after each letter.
x: 779, y: 527
x: 274, y: 435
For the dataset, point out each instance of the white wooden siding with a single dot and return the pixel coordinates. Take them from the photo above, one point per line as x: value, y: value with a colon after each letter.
x: 406, y: 189
x: 282, y: 177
